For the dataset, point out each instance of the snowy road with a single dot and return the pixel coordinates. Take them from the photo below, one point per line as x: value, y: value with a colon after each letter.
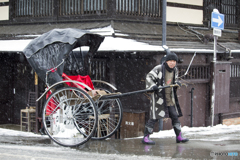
x: 205, y: 142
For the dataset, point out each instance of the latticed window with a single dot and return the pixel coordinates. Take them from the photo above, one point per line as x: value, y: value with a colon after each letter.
x: 229, y: 9
x: 138, y: 7
x: 42, y: 8
x: 235, y: 70
x: 92, y: 6
x: 70, y: 7
x: 24, y: 8
x: 234, y: 80
x: 77, y: 7
x: 226, y: 7
x: 194, y: 72
x: 35, y: 8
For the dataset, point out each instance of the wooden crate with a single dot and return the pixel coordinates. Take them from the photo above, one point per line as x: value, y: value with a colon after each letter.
x: 132, y: 125
x: 231, y: 121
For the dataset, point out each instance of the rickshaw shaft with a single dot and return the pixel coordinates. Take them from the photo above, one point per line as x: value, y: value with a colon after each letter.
x: 104, y: 97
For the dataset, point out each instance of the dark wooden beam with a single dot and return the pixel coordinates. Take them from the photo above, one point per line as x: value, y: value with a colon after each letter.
x: 179, y: 5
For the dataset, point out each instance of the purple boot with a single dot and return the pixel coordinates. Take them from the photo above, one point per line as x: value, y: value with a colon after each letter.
x: 147, y: 140
x: 179, y: 138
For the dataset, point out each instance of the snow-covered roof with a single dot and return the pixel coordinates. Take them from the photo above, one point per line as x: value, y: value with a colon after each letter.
x: 115, y: 41
x: 109, y: 44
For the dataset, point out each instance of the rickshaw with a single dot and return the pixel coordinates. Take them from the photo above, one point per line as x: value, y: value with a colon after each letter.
x: 75, y: 110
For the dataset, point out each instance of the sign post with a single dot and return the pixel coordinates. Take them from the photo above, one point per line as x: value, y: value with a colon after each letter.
x: 217, y: 23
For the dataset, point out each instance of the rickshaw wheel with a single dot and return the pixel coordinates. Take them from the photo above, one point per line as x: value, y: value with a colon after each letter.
x: 110, y: 114
x: 70, y: 117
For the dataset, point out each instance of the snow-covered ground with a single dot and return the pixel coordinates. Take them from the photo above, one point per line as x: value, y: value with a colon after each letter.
x: 196, y: 133
x: 204, y: 141
x: 216, y: 133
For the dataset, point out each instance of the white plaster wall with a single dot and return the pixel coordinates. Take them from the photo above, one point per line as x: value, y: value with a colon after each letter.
x: 4, y: 13
x: 4, y: 0
x: 184, y: 15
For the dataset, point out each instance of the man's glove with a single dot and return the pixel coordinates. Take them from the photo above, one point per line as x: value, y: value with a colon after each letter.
x: 154, y: 87
x: 179, y: 84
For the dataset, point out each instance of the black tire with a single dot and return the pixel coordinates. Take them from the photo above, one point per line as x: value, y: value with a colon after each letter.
x: 70, y: 117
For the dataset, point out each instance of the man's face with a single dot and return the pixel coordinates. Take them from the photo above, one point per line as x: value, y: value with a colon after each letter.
x: 171, y: 63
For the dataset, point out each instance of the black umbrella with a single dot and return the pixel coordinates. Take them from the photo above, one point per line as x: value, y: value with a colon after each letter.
x: 47, y: 52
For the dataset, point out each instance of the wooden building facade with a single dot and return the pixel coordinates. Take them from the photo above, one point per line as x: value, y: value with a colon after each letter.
x: 139, y: 20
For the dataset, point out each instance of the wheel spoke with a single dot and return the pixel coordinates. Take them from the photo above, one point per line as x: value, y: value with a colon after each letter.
x: 67, y: 118
x: 109, y: 117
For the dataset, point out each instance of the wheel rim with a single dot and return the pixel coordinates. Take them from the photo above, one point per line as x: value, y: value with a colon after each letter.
x: 109, y: 117
x: 69, y: 117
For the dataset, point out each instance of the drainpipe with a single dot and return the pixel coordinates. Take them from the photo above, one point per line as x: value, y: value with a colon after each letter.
x: 164, y: 26
x: 191, y: 107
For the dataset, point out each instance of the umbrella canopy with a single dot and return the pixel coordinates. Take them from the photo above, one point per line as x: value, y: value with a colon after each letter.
x: 46, y: 53
x: 72, y: 36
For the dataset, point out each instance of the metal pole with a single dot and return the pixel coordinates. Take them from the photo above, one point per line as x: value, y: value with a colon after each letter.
x: 36, y: 94
x: 191, y: 107
x: 164, y: 23
x: 213, y: 79
x: 215, y: 48
x: 213, y: 96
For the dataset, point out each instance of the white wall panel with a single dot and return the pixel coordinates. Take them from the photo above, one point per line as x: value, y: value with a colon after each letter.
x: 4, y: 13
x: 184, y: 15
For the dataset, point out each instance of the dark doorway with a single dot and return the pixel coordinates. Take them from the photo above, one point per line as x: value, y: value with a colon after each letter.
x: 16, y: 80
x: 6, y: 88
